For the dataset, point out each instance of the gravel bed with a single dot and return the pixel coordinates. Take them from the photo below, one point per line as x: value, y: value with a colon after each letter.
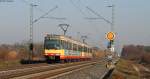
x: 93, y: 72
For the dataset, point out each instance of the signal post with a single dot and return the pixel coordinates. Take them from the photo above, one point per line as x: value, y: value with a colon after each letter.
x: 110, y: 37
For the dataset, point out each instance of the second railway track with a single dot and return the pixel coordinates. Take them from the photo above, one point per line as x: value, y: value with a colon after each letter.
x: 56, y: 72
x: 44, y: 71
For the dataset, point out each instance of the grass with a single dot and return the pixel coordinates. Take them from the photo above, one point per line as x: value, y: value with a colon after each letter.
x: 6, y: 64
x: 124, y: 70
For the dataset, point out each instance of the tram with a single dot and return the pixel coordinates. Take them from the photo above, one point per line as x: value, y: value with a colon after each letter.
x: 60, y: 48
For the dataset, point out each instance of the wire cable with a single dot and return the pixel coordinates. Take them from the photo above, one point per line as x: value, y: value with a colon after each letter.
x: 77, y: 7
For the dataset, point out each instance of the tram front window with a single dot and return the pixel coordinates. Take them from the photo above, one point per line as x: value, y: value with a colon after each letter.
x: 51, y: 44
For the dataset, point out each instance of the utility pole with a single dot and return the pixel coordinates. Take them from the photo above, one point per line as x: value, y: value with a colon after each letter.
x: 111, y: 37
x: 31, y: 46
x: 64, y: 27
x: 112, y: 28
x: 112, y: 17
x: 111, y: 42
x: 32, y: 21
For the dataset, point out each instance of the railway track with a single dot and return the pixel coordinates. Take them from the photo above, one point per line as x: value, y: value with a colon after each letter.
x: 22, y: 66
x: 44, y: 71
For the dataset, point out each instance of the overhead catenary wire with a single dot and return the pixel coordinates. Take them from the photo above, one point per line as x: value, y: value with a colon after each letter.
x: 55, y: 18
x: 32, y: 21
x: 98, y: 15
x: 77, y: 7
x: 45, y: 14
x: 83, y: 13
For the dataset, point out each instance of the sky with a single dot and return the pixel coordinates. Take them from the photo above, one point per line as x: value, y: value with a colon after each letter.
x: 131, y: 24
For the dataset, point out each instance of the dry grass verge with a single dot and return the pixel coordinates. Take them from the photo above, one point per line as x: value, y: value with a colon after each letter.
x: 124, y: 70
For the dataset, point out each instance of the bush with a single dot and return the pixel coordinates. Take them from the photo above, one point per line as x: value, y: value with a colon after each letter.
x: 146, y: 58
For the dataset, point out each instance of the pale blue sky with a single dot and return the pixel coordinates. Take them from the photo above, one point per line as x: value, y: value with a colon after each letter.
x: 132, y: 20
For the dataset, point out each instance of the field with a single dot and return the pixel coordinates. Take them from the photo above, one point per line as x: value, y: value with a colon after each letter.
x: 9, y: 64
x: 124, y: 70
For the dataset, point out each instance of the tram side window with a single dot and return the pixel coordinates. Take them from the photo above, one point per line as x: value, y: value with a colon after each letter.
x: 62, y: 44
x: 69, y: 46
x: 65, y: 45
x: 85, y: 49
x: 74, y: 47
x: 80, y: 48
x: 88, y: 50
x: 77, y: 47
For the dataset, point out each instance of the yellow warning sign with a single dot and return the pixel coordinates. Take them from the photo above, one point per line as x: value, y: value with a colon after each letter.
x: 110, y: 35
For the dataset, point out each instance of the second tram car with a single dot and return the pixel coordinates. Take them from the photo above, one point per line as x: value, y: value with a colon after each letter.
x: 60, y: 48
